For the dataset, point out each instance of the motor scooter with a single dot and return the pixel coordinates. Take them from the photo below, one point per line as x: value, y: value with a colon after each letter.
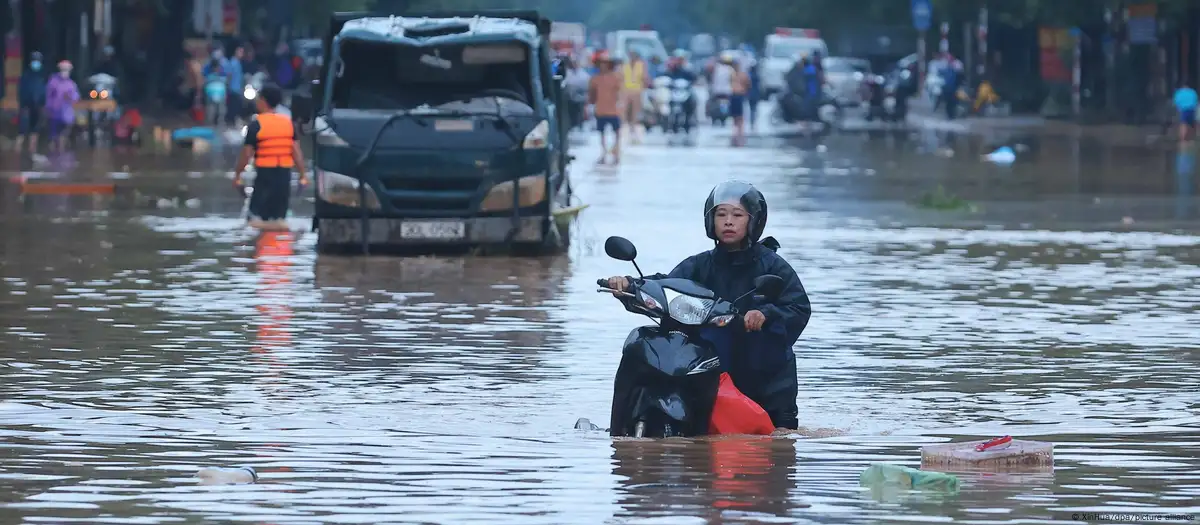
x: 103, y: 110
x: 669, y: 376
x: 656, y: 104
x: 718, y: 109
x: 682, y: 107
x: 881, y: 99
x: 577, y: 101
x: 794, y: 107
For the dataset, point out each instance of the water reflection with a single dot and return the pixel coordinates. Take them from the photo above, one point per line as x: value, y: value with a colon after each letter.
x: 495, y: 318
x: 273, y: 256
x: 1185, y: 185
x: 721, y: 478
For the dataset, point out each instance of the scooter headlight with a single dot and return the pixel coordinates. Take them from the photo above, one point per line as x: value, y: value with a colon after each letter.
x: 250, y: 93
x: 687, y: 309
x: 103, y: 94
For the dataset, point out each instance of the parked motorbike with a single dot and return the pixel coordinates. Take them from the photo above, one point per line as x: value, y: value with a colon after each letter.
x: 656, y: 104
x: 883, y: 100
x: 669, y: 376
x: 683, y: 106
x: 102, y: 89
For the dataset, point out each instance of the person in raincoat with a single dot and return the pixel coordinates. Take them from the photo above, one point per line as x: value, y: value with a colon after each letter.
x: 757, y: 354
x: 31, y: 93
x: 61, y: 95
x: 216, y: 92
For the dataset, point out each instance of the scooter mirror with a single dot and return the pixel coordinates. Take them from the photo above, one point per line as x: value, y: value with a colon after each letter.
x: 620, y: 248
x: 768, y: 286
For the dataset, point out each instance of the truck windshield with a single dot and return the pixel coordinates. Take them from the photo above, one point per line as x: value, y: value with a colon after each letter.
x: 382, y: 76
x: 645, y: 47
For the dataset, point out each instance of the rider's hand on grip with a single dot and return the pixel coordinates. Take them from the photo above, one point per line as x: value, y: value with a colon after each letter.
x: 753, y: 320
x: 617, y: 283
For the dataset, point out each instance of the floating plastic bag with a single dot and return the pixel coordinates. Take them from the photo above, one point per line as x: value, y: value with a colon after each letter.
x: 1003, y: 155
x: 734, y: 413
x: 885, y: 474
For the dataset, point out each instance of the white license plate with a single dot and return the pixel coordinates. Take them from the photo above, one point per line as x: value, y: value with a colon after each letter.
x: 439, y: 230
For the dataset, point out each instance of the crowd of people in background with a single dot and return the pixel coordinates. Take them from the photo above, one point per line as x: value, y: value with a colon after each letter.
x: 613, y: 87
x: 211, y: 88
x: 208, y: 90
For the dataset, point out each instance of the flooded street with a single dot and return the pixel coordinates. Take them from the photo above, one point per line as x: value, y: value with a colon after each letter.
x: 142, y: 344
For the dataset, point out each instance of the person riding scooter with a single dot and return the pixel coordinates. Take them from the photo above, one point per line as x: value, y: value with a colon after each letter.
x: 758, y: 354
x: 682, y: 79
x: 576, y: 81
x: 721, y: 88
x: 804, y: 92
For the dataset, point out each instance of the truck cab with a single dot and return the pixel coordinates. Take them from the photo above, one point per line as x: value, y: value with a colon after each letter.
x: 646, y: 43
x: 438, y: 130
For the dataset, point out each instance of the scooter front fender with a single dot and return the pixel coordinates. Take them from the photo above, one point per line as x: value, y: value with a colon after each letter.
x: 666, y: 380
x: 672, y: 353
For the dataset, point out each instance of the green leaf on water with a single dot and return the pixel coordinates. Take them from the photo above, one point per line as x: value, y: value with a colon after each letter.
x: 940, y: 199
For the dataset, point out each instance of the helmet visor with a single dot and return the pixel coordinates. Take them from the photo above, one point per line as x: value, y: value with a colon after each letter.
x: 733, y: 193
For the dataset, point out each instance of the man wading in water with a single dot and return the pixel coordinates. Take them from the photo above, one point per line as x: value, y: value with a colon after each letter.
x: 604, y: 92
x: 271, y: 140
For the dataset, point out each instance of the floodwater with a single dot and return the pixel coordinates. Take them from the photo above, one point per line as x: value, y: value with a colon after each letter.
x: 142, y: 343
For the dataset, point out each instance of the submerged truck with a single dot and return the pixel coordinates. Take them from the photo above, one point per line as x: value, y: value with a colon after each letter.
x: 438, y: 130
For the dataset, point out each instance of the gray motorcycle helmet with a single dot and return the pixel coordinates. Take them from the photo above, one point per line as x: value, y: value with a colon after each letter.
x: 742, y: 194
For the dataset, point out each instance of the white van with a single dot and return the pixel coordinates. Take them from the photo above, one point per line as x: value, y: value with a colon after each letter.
x: 647, y: 44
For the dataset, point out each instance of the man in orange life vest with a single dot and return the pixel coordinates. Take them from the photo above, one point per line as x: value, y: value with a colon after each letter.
x: 271, y: 140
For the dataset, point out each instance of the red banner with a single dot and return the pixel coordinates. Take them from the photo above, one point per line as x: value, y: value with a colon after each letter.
x: 12, y: 70
x: 1056, y: 46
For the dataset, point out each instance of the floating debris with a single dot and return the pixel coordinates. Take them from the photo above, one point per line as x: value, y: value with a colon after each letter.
x: 940, y: 199
x: 227, y: 476
x: 1014, y: 452
x: 885, y: 474
x: 585, y: 424
x: 1004, y: 155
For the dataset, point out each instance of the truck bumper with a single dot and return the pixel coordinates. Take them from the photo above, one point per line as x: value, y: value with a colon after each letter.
x: 463, y: 232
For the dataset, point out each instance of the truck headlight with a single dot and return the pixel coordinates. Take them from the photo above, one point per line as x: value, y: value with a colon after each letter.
x: 537, y: 138
x: 531, y: 190
x: 343, y: 190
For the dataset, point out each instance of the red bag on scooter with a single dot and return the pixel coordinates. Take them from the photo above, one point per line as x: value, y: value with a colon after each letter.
x: 734, y: 413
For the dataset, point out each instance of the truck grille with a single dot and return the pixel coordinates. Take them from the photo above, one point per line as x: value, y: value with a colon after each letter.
x: 433, y: 190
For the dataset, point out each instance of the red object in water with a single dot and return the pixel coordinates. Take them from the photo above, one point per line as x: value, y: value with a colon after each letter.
x: 131, y: 120
x: 993, y: 443
x: 734, y: 413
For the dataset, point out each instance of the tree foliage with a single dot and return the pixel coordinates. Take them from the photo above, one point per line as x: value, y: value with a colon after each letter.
x: 751, y: 19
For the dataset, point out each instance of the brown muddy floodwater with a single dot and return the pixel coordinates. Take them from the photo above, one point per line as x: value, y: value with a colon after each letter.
x: 140, y: 345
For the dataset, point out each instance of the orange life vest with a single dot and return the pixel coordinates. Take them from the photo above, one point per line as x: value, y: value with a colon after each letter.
x: 275, y: 139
